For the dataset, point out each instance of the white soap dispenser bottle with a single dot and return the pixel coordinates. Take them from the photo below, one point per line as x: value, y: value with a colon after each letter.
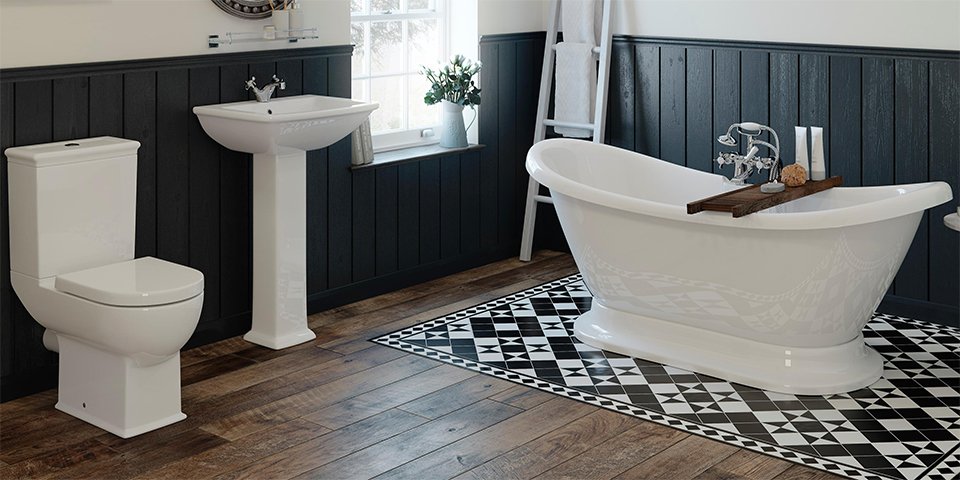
x: 296, y: 20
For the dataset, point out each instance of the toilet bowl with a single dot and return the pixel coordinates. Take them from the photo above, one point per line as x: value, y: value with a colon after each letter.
x: 118, y: 322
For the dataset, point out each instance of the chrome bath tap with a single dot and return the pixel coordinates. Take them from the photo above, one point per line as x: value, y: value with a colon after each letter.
x: 263, y: 94
x: 746, y: 165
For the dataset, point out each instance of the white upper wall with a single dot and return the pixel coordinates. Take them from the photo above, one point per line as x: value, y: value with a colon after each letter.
x: 933, y: 24
x: 52, y: 32
x: 508, y: 16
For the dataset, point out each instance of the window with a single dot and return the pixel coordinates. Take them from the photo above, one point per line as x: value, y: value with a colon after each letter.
x: 393, y: 39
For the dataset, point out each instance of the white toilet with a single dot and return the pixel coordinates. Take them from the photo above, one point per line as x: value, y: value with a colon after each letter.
x: 118, y: 322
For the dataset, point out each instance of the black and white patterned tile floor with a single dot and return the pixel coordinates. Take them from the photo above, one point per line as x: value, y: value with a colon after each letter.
x: 904, y: 426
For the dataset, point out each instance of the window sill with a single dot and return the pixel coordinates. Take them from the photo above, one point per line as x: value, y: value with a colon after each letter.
x: 414, y: 154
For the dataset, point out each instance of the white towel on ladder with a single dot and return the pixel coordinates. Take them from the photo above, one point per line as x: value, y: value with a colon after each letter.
x: 576, y: 76
x: 580, y: 21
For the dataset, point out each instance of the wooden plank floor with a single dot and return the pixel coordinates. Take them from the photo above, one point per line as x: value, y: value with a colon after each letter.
x: 347, y: 408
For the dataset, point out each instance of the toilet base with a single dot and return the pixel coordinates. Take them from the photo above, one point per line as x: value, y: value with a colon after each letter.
x: 114, y: 393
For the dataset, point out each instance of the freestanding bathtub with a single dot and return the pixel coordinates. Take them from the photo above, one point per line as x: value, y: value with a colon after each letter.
x: 774, y: 300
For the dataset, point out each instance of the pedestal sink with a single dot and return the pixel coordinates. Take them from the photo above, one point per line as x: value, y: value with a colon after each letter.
x: 278, y: 133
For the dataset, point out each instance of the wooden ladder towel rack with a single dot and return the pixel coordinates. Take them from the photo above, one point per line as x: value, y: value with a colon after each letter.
x: 534, y: 197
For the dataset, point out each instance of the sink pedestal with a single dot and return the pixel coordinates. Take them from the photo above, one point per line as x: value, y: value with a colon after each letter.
x: 278, y: 133
x: 280, y: 250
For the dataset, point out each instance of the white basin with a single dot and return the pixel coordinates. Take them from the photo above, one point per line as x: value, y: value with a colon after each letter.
x: 278, y: 133
x: 303, y: 122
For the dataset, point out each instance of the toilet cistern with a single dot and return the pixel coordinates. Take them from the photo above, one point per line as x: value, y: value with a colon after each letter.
x: 263, y: 94
x: 746, y: 165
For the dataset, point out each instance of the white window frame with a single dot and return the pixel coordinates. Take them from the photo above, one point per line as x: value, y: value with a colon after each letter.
x: 422, y: 135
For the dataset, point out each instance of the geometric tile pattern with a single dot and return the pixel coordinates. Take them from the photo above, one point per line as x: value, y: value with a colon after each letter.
x: 904, y: 426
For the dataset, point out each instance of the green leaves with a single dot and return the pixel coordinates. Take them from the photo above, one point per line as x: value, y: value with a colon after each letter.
x: 453, y: 82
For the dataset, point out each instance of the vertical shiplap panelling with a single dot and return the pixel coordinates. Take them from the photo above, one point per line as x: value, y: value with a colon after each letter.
x: 911, y: 145
x: 506, y: 99
x: 784, y: 104
x: 815, y: 96
x: 339, y: 190
x: 726, y: 97
x: 755, y: 94
x: 944, y: 166
x: 470, y: 202
x: 621, y: 103
x: 106, y: 105
x: 673, y: 109
x: 408, y: 208
x: 877, y: 121
x: 140, y: 124
x: 236, y: 219
x: 291, y: 72
x: 364, y: 223
x: 699, y: 112
x: 845, y: 118
x: 647, y: 113
x: 204, y: 184
x: 450, y: 206
x: 33, y: 112
x: 71, y: 114
x: 529, y: 67
x: 33, y: 123
x: 430, y: 210
x: 6, y: 141
x: 755, y: 86
x: 173, y: 165
x: 489, y: 136
x: 315, y: 81
x: 386, y: 219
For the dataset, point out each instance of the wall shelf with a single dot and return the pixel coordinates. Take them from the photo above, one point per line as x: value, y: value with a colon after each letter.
x: 290, y: 36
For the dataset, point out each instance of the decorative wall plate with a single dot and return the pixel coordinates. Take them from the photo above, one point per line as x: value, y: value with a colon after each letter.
x: 249, y: 9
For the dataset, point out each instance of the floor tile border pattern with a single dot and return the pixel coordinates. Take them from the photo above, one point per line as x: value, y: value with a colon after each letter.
x: 945, y: 469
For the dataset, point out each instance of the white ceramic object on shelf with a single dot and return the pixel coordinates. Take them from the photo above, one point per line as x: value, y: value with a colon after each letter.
x: 118, y: 322
x: 296, y: 19
x: 281, y: 23
x: 453, y: 133
x: 278, y: 133
x: 775, y: 300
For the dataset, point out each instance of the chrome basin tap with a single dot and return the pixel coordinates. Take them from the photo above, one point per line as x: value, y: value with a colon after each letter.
x: 263, y: 94
x: 746, y: 165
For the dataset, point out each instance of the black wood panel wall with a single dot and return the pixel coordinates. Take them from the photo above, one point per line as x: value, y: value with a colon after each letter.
x: 889, y: 116
x: 369, y: 230
x: 510, y: 79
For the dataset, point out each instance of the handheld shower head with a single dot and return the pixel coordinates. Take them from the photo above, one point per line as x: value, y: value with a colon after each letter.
x: 727, y: 140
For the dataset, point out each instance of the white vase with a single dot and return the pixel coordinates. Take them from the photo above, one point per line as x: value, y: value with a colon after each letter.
x: 453, y: 134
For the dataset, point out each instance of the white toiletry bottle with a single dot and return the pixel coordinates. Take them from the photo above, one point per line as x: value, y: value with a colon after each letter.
x: 296, y: 20
x: 803, y: 158
x: 818, y: 166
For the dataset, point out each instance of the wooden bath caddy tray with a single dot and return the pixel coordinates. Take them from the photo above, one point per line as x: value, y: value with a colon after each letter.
x: 750, y: 199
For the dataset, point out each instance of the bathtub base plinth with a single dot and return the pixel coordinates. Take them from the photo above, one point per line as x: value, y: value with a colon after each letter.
x: 797, y: 370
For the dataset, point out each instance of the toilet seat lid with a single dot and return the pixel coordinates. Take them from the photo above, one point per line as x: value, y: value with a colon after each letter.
x: 134, y: 283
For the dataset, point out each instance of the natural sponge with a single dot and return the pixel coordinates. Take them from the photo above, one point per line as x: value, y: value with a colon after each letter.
x: 793, y: 175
